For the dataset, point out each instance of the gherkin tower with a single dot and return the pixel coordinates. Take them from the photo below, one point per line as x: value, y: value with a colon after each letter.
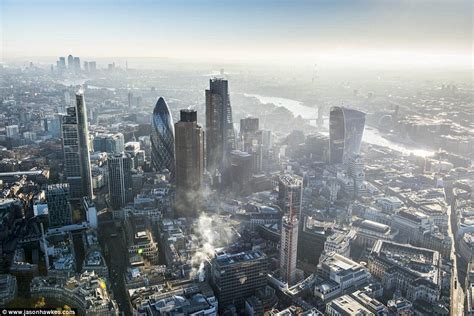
x: 162, y: 138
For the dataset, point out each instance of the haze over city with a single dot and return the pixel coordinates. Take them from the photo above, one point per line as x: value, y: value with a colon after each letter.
x: 348, y: 32
x: 259, y: 158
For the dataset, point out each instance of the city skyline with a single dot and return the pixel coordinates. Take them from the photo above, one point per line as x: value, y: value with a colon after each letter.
x: 371, y: 32
x: 298, y: 158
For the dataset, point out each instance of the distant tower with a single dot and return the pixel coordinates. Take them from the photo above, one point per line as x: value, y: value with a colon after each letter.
x: 59, y: 210
x: 289, y: 245
x: 62, y: 63
x: 162, y: 138
x: 320, y: 120
x: 220, y: 138
x: 92, y: 66
x: 77, y: 64
x: 70, y: 62
x: 130, y: 99
x: 251, y: 139
x: 189, y: 144
x: 75, y: 136
x: 346, y: 127
x: 120, y: 180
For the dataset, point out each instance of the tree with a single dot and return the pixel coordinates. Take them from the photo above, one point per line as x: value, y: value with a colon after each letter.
x: 41, y: 303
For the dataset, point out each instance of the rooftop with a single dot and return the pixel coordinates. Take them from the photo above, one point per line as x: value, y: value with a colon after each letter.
x: 228, y: 259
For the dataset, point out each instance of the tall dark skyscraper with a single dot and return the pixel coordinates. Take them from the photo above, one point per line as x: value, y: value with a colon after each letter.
x: 162, y: 138
x: 251, y: 141
x: 75, y: 135
x: 346, y: 127
x: 120, y: 180
x: 59, y: 210
x: 220, y: 137
x: 189, y: 163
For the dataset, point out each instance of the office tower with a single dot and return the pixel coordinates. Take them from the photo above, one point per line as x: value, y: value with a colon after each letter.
x: 320, y: 119
x: 237, y: 276
x: 346, y: 127
x: 252, y: 141
x: 13, y: 131
x: 189, y: 145
x: 86, y: 66
x: 77, y: 64
x: 130, y: 99
x: 54, y: 126
x: 162, y: 138
x: 356, y: 172
x: 133, y: 149
x: 62, y: 63
x: 289, y: 245
x: 120, y: 180
x: 59, y: 210
x: 240, y: 171
x: 30, y: 136
x: 290, y: 189
x: 70, y: 62
x: 220, y: 138
x: 109, y: 143
x: 267, y: 139
x: 92, y: 66
x: 67, y: 98
x: 248, y: 125
x: 75, y: 135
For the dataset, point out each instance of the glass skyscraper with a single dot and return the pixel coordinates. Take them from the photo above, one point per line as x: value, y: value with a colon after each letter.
x: 76, y: 150
x: 162, y: 138
x: 346, y: 127
x: 120, y: 180
x: 220, y: 137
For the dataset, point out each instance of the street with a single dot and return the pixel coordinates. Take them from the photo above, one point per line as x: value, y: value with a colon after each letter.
x: 457, y: 294
x: 117, y: 260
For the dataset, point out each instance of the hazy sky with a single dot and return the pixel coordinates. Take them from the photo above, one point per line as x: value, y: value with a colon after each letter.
x: 293, y: 30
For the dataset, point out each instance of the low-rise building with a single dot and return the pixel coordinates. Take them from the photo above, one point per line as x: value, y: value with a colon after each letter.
x: 87, y: 292
x: 346, y: 306
x: 368, y: 232
x: 338, y: 275
x: 414, y: 271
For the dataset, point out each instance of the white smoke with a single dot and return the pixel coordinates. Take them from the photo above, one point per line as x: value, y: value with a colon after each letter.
x: 211, y: 232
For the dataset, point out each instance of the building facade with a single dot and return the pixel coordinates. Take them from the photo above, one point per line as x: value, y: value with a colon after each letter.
x: 290, y: 189
x: 238, y: 276
x: 120, y: 180
x: 220, y: 136
x: 346, y: 127
x: 189, y: 163
x: 75, y: 136
x: 59, y: 209
x: 289, y: 248
x: 415, y: 272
